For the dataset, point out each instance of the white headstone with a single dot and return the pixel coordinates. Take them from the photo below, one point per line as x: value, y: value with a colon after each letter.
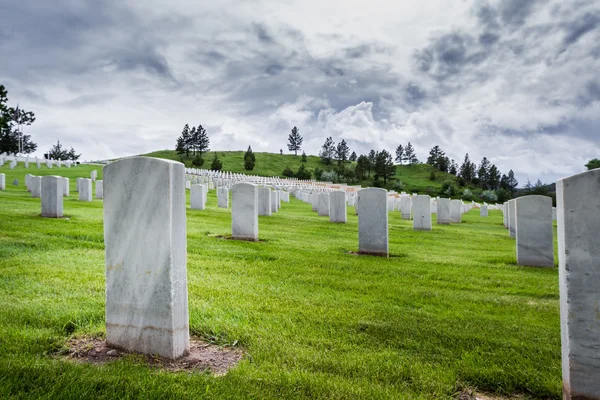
x: 535, y: 242
x: 483, y: 211
x: 66, y: 187
x: 578, y: 219
x: 455, y: 211
x: 274, y: 201
x: 94, y: 175
x: 85, y: 189
x: 99, y: 191
x: 198, y: 197
x: 264, y: 201
x: 35, y: 182
x: 2, y: 182
x: 405, y: 207
x: 223, y: 197
x: 421, y: 205
x: 244, y: 211
x: 512, y: 230
x: 372, y: 221
x: 52, y: 196
x: 323, y: 207
x: 78, y: 184
x: 337, y: 207
x: 146, y: 250
x: 443, y: 211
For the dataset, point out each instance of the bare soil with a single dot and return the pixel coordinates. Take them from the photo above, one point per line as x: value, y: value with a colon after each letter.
x: 202, y: 356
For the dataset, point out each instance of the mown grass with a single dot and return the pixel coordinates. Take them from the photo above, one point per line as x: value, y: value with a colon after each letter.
x: 449, y: 309
x: 414, y: 178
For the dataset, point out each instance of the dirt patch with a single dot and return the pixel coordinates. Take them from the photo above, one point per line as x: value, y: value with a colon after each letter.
x: 241, y: 239
x: 390, y: 255
x: 472, y: 394
x: 202, y: 357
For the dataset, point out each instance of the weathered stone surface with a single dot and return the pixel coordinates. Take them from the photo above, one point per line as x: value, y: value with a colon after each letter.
x: 77, y: 184
x: 66, y: 187
x: 244, y: 211
x: 323, y: 208
x: 2, y: 182
x: 337, y: 207
x: 512, y: 228
x: 85, y: 189
x: 505, y: 214
x: 455, y: 211
x: 52, y: 196
x: 483, y: 211
x: 99, y: 191
x: 421, y: 213
x: 198, y: 197
x: 535, y: 242
x: 145, y: 242
x: 405, y: 207
x: 35, y: 183
x: 274, y: 201
x: 223, y: 197
x: 372, y: 221
x: 264, y: 201
x: 94, y: 175
x: 443, y: 211
x: 578, y: 219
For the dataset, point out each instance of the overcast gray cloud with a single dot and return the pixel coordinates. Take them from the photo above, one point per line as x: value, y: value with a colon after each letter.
x: 515, y: 81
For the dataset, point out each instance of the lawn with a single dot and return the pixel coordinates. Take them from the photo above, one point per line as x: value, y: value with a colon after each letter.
x: 448, y: 310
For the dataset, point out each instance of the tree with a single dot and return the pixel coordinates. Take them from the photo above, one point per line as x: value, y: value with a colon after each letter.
x: 384, y: 166
x: 304, y: 159
x: 71, y: 155
x: 493, y: 178
x: 399, y: 154
x: 198, y: 161
x: 353, y: 156
x: 362, y: 167
x: 200, y: 140
x: 453, y: 167
x: 327, y: 151
x: 287, y: 172
x: 593, y: 164
x: 341, y: 152
x: 249, y: 159
x: 216, y: 164
x: 58, y: 152
x: 437, y: 159
x: 409, y: 154
x: 10, y: 120
x: 484, y: 172
x: 512, y: 183
x: 467, y: 170
x: 295, y: 141
x: 371, y: 157
x: 303, y: 173
x: 183, y: 142
x: 180, y: 146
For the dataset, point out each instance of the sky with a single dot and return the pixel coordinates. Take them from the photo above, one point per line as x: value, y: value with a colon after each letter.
x: 516, y: 81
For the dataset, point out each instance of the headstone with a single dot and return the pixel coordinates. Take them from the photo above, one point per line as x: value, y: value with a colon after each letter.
x: 273, y: 201
x: 372, y: 221
x: 535, y: 244
x: 337, y: 207
x: 505, y: 214
x: 197, y: 197
x: 483, y: 211
x: 323, y: 208
x: 49, y: 164
x: 421, y: 205
x: 85, y: 189
x: 455, y: 211
x: 13, y: 164
x: 2, y: 182
x: 512, y: 230
x: 16, y: 182
x: 145, y: 246
x: 314, y: 201
x: 66, y: 187
x: 405, y: 207
x: 223, y: 197
x: 443, y: 211
x: 264, y: 201
x: 52, y: 196
x: 99, y: 191
x: 36, y: 186
x: 38, y: 164
x: 553, y: 213
x: 28, y: 182
x: 94, y: 175
x: 78, y: 184
x: 244, y: 211
x: 578, y: 219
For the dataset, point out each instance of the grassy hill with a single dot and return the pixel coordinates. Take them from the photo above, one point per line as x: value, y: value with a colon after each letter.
x: 416, y: 178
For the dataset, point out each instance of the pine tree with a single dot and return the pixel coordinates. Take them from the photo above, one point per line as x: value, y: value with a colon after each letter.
x: 304, y: 159
x: 327, y: 151
x: 362, y: 167
x: 453, y: 167
x: 409, y: 154
x: 494, y: 178
x: 216, y: 164
x: 249, y: 159
x: 399, y: 154
x: 353, y: 157
x: 384, y: 166
x: 295, y: 141
x: 593, y: 164
x: 303, y: 173
x: 467, y: 170
x: 10, y: 120
x: 57, y: 152
x: 512, y: 182
x: 484, y: 173
x: 371, y: 158
x: 341, y: 152
x: 201, y: 140
x: 185, y: 139
x: 437, y: 159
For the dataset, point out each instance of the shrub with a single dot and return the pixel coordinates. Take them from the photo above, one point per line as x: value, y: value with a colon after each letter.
x: 467, y: 195
x: 288, y: 172
x: 330, y: 176
x: 489, y: 196
x: 398, y: 186
x: 449, y: 188
x: 303, y: 173
x: 198, y: 161
x: 432, y: 176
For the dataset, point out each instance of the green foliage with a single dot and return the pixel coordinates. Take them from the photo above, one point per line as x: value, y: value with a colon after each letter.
x: 249, y: 160
x: 318, y: 173
x: 363, y: 165
x: 409, y: 155
x: 195, y: 140
x: 398, y: 186
x: 198, y: 161
x: 593, y: 164
x: 432, y: 176
x: 57, y: 152
x: 384, y: 166
x: 467, y: 170
x: 353, y: 157
x: 295, y: 141
x: 304, y: 159
x: 287, y: 172
x: 438, y: 160
x: 342, y: 152
x: 502, y: 195
x: 399, y: 154
x: 216, y: 164
x: 449, y: 188
x: 327, y: 151
x: 467, y: 195
x: 303, y: 173
x: 10, y: 121
x: 330, y: 176
x: 489, y: 196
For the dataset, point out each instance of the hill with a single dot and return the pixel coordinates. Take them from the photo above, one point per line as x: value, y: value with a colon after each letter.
x: 415, y: 178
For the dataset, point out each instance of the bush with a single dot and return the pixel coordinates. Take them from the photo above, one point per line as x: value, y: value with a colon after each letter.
x: 288, y: 172
x: 489, y: 196
x: 449, y: 188
x: 303, y: 173
x: 467, y: 195
x: 318, y: 173
x: 398, y: 186
x: 304, y: 157
x: 330, y: 176
x: 216, y: 164
x: 432, y: 176
x: 198, y: 161
x: 502, y: 195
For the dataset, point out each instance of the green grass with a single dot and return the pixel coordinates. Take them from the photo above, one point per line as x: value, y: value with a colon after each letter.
x: 449, y: 309
x: 416, y: 178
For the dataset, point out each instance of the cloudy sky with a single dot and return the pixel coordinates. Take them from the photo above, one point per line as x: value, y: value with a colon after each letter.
x: 517, y: 81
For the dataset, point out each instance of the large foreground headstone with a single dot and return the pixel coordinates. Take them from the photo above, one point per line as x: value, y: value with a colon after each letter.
x: 421, y: 205
x: 337, y: 207
x: 535, y: 243
x: 443, y: 211
x: 455, y: 211
x: 244, y: 211
x: 85, y: 189
x: 145, y: 242
x: 264, y: 201
x: 52, y: 196
x: 372, y: 221
x: 578, y: 219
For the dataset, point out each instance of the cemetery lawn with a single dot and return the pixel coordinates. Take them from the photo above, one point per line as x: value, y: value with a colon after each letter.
x: 448, y: 310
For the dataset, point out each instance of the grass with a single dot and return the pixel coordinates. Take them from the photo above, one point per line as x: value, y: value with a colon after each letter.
x: 416, y: 178
x: 448, y: 310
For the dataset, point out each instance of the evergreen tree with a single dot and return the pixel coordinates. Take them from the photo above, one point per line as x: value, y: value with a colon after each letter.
x: 201, y: 140
x: 57, y: 152
x: 384, y: 166
x: 180, y: 146
x: 216, y: 164
x: 437, y: 159
x: 362, y: 167
x: 371, y: 157
x: 304, y: 159
x: 512, y: 183
x: 593, y: 164
x: 192, y: 139
x: 467, y: 170
x: 327, y: 151
x: 399, y: 154
x: 484, y: 173
x: 71, y: 155
x: 184, y: 140
x: 295, y: 141
x: 453, y: 167
x: 409, y: 154
x: 341, y: 152
x: 494, y: 178
x: 303, y: 173
x: 249, y: 159
x: 10, y: 120
x: 353, y: 156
